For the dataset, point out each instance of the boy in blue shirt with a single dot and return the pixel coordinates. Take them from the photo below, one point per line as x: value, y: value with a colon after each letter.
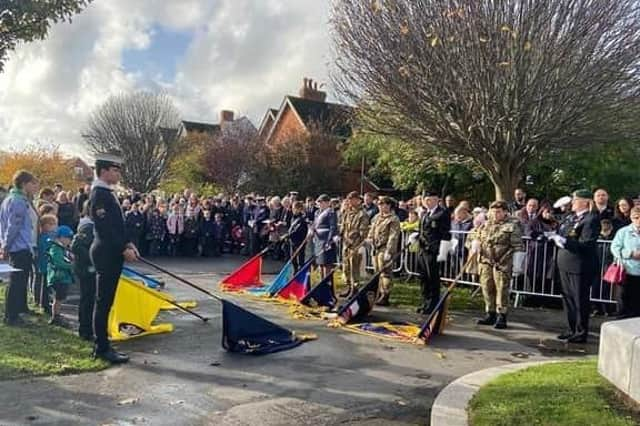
x: 59, y: 270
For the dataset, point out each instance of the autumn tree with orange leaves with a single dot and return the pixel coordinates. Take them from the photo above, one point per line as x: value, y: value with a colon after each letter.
x: 48, y: 164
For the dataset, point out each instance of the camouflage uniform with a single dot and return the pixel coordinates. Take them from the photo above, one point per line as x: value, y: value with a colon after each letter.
x: 353, y: 231
x: 498, y: 242
x: 385, y: 234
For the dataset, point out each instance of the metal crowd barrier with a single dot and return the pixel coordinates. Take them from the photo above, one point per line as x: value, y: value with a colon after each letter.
x: 539, y: 278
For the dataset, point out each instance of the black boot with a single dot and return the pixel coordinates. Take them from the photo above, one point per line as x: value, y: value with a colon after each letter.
x: 501, y: 323
x: 111, y: 356
x: 489, y: 319
x: 383, y: 299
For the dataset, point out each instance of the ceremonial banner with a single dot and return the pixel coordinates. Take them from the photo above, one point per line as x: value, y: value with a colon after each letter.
x: 134, y: 309
x: 247, y: 333
x: 283, y: 277
x: 152, y: 283
x: 138, y: 276
x: 246, y: 276
x: 437, y: 320
x: 399, y: 331
x: 299, y: 284
x: 321, y: 295
x: 361, y: 303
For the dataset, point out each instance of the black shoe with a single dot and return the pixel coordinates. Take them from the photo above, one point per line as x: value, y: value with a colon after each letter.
x: 501, y: 322
x: 565, y: 335
x: 14, y: 322
x: 577, y: 338
x: 383, y: 300
x: 111, y: 356
x: 57, y: 320
x: 489, y: 319
x: 87, y: 337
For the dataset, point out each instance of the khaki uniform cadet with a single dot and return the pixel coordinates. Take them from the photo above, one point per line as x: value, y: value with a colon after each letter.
x: 384, y: 235
x: 354, y: 226
x: 495, y: 242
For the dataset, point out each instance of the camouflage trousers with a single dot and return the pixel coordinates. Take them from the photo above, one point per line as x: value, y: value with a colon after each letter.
x: 385, y: 276
x: 351, y: 262
x: 495, y: 288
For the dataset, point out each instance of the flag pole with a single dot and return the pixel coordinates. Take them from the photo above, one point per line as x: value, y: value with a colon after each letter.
x: 172, y: 275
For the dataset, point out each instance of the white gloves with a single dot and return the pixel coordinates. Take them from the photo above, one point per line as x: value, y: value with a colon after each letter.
x: 336, y: 239
x: 560, y: 241
x: 475, y: 246
x: 413, y: 237
x: 518, y: 262
x: 387, y: 256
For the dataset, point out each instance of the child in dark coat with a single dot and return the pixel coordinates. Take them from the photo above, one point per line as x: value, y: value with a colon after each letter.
x: 207, y: 234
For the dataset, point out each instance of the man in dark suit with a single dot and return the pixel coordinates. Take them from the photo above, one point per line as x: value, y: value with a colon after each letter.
x: 435, y: 226
x: 577, y: 263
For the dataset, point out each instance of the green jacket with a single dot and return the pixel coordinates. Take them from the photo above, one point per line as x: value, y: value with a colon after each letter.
x: 59, y: 267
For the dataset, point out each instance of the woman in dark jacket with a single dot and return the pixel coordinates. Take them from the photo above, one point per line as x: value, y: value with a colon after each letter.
x: 622, y: 214
x: 67, y: 215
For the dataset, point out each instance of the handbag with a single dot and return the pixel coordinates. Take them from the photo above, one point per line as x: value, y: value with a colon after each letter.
x: 615, y: 274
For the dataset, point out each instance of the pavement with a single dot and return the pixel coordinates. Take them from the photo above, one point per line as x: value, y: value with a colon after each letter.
x: 186, y: 378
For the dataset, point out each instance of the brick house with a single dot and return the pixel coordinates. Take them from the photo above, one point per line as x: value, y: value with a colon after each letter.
x: 309, y: 112
x: 82, y: 172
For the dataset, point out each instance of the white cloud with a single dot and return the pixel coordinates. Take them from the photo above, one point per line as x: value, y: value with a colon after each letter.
x: 245, y: 55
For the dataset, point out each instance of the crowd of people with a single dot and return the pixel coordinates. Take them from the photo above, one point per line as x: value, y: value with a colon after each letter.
x: 55, y: 221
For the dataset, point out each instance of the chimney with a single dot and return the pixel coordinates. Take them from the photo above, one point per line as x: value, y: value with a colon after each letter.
x: 226, y: 116
x: 309, y: 90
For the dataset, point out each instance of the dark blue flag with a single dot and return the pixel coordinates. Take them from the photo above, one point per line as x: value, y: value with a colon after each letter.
x: 322, y: 294
x: 435, y: 322
x: 360, y: 304
x: 248, y: 333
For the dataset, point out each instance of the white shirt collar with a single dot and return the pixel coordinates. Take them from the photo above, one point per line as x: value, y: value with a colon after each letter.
x: 582, y: 212
x: 99, y: 183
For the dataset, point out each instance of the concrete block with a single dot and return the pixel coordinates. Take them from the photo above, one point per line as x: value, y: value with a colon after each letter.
x: 634, y: 376
x: 619, y: 355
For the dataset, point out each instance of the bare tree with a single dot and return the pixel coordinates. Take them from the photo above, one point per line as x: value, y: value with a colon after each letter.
x: 498, y: 82
x: 229, y: 154
x: 144, y: 128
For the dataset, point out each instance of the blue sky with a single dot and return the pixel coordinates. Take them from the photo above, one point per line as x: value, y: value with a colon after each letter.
x: 162, y: 56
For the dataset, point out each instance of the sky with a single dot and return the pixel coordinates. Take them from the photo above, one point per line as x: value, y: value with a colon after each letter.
x: 208, y: 55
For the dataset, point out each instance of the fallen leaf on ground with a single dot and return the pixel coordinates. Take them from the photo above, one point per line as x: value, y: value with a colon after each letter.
x: 441, y: 355
x: 179, y: 402
x: 129, y: 401
x: 401, y: 403
x: 521, y: 355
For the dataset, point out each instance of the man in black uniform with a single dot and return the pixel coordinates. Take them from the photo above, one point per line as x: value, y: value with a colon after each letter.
x: 435, y: 226
x: 577, y: 263
x: 109, y: 250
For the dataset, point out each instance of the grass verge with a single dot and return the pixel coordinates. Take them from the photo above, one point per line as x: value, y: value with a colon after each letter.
x: 39, y: 349
x: 567, y: 393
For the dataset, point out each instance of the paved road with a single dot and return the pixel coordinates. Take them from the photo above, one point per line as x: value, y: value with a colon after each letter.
x: 186, y: 378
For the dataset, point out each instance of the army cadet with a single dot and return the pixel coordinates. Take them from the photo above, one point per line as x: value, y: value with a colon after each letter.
x: 577, y: 263
x: 383, y: 237
x: 435, y: 226
x: 353, y: 229
x: 495, y: 242
x: 109, y: 249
